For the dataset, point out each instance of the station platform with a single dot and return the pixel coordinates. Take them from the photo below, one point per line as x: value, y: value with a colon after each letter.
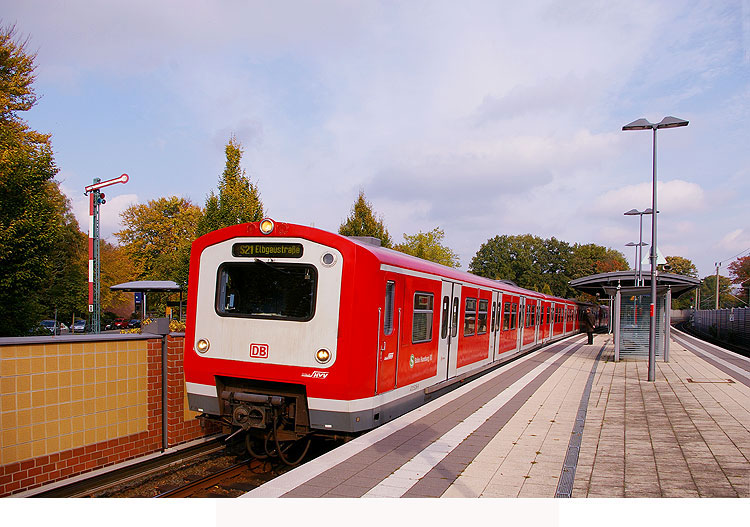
x: 563, y: 421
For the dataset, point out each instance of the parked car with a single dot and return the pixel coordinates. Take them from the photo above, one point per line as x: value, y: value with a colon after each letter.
x: 120, y: 323
x: 81, y: 326
x: 49, y: 325
x: 134, y: 323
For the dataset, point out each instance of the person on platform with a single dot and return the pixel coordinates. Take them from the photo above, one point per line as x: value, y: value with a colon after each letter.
x: 588, y: 324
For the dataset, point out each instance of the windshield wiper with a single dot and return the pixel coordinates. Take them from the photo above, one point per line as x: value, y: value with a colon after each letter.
x: 271, y: 266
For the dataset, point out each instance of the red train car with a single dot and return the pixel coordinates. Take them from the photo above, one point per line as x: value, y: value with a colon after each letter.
x: 293, y: 331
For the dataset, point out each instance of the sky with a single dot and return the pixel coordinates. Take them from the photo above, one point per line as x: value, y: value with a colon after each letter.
x: 482, y: 118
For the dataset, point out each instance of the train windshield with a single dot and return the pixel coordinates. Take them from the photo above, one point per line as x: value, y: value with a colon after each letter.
x: 267, y: 290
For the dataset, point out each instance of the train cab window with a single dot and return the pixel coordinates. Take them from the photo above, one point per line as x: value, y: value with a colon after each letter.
x: 470, y: 317
x: 513, y: 312
x: 446, y: 317
x: 390, y: 290
x: 421, y: 327
x: 482, y: 317
x: 506, y: 317
x: 259, y: 289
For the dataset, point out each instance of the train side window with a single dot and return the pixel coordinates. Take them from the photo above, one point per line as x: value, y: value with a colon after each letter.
x: 482, y: 317
x: 421, y: 327
x: 506, y: 317
x: 547, y: 316
x: 470, y: 317
x: 446, y: 317
x: 454, y: 318
x: 390, y: 289
x: 514, y: 310
x: 493, y: 318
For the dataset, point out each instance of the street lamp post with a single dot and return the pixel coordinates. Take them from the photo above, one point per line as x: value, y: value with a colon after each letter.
x: 636, y: 212
x: 643, y: 124
x: 637, y: 266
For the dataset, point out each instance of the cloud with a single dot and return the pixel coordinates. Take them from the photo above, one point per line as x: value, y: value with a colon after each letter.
x: 673, y: 197
x: 735, y: 241
x: 109, y: 213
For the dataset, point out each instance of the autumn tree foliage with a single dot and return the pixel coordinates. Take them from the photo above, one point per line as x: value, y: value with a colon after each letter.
x: 238, y: 200
x: 739, y: 271
x: 156, y: 234
x: 39, y: 240
x: 362, y: 222
x: 429, y: 246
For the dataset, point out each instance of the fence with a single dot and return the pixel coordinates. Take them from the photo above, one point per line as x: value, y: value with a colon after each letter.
x: 728, y: 325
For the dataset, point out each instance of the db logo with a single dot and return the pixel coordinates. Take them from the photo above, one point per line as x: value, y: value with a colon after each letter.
x: 258, y: 351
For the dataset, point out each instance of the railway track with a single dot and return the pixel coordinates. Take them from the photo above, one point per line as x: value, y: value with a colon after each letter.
x: 230, y: 482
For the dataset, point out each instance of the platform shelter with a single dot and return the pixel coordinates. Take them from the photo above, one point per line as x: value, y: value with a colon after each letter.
x: 630, y: 303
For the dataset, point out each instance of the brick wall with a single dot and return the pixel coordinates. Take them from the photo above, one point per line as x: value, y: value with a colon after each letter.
x: 70, y: 405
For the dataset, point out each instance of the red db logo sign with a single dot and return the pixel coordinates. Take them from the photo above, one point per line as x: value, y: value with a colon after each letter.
x: 258, y: 351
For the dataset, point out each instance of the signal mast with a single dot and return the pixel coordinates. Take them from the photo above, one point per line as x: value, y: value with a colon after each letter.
x: 96, y: 199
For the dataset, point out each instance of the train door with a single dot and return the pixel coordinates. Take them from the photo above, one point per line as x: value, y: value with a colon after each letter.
x: 449, y: 309
x: 521, y: 322
x: 497, y: 315
x: 537, y: 321
x: 389, y: 332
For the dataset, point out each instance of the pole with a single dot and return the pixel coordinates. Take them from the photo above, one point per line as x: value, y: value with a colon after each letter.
x: 717, y: 285
x: 652, y: 320
x: 640, y: 249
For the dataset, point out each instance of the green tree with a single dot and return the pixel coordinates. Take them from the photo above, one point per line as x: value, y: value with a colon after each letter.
x: 681, y: 266
x: 708, y: 293
x: 429, y: 246
x: 533, y: 262
x: 362, y: 222
x: 238, y: 200
x: 30, y: 222
x: 684, y: 267
x: 156, y: 235
x: 68, y: 286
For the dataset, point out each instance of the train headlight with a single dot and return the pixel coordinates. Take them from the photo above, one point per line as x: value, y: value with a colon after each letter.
x: 202, y: 345
x: 266, y: 226
x: 323, y: 356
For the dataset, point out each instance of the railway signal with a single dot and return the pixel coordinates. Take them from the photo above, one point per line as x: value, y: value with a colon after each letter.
x: 96, y: 199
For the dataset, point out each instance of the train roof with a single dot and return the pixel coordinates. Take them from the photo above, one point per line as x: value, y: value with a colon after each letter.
x: 384, y: 255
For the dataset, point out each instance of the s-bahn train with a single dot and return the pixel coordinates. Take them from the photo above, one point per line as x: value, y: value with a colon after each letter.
x: 293, y: 331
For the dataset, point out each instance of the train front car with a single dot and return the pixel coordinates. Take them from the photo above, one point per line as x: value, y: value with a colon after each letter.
x: 264, y: 340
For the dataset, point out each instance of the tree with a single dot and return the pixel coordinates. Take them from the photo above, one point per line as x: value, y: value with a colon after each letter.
x: 155, y: 235
x: 684, y: 267
x: 362, y: 222
x: 117, y: 268
x: 68, y: 286
x: 429, y: 246
x: 30, y: 221
x: 238, y: 200
x: 533, y: 262
x: 740, y: 272
x: 681, y: 266
x: 708, y: 293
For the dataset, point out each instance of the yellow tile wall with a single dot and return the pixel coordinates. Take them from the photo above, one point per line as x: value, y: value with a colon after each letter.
x: 58, y: 396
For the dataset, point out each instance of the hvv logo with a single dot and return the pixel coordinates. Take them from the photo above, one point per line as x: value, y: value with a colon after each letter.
x: 258, y: 351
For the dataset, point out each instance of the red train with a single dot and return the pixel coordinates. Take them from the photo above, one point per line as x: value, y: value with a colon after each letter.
x: 293, y: 331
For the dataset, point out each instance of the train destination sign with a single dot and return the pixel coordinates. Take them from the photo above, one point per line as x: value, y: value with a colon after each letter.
x: 267, y: 250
